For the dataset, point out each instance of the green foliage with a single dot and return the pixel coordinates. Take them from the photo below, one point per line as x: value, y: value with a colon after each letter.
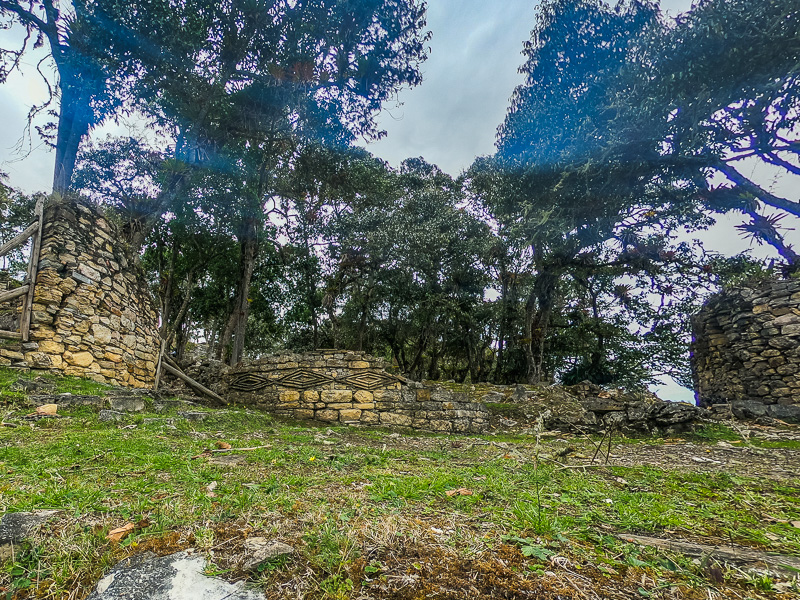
x: 710, y: 92
x: 16, y: 213
x: 557, y: 258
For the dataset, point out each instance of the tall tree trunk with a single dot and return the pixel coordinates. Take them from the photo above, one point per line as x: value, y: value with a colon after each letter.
x: 169, y: 333
x: 249, y: 250
x: 363, y: 320
x: 166, y: 302
x: 74, y: 119
x: 211, y: 337
x: 227, y: 335
x: 538, y: 309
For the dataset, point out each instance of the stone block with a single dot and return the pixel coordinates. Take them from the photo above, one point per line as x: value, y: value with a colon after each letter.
x: 349, y: 415
x: 440, y: 425
x: 787, y: 318
x: 289, y: 397
x: 17, y: 527
x: 793, y: 329
x: 363, y: 396
x: 12, y: 354
x: 327, y: 415
x: 112, y: 357
x: 42, y: 333
x: 336, y: 396
x: 102, y: 334
x: 40, y: 360
x: 51, y: 347
x: 369, y: 417
x: 339, y: 405
x: 79, y: 359
x: 110, y: 415
x: 358, y: 364
x: 302, y: 413
x: 395, y: 419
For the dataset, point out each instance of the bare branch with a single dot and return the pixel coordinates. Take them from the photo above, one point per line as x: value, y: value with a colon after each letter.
x: 766, y: 197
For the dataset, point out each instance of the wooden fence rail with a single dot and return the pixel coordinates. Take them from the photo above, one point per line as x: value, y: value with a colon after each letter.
x: 34, y: 230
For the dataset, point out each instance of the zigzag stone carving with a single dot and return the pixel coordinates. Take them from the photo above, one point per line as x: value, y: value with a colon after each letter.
x: 303, y: 378
x: 369, y: 380
x: 249, y: 382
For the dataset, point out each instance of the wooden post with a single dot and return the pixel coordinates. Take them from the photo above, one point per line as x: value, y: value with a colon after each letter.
x: 33, y: 267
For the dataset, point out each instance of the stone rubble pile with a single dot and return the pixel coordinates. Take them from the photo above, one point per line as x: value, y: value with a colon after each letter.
x: 588, y: 408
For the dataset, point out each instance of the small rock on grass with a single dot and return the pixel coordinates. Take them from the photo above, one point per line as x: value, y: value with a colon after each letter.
x: 16, y: 527
x: 193, y: 415
x: 110, y: 415
x: 259, y: 550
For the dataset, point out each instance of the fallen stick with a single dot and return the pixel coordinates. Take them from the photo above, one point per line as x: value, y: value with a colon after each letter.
x: 240, y: 449
x: 778, y: 562
x: 209, y: 451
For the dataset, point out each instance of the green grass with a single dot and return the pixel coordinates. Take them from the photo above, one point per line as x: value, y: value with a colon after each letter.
x: 332, y: 491
x: 11, y: 390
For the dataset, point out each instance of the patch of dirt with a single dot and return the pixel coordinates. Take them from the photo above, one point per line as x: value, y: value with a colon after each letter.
x: 737, y: 459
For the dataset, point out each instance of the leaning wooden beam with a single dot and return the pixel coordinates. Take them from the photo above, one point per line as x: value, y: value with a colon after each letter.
x: 192, y: 383
x: 16, y: 293
x: 19, y: 240
x: 10, y: 335
x: 33, y: 267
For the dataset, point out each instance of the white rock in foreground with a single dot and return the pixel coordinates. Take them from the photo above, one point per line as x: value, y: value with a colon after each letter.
x: 178, y: 576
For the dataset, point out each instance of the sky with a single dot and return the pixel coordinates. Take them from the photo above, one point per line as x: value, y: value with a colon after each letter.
x: 449, y: 119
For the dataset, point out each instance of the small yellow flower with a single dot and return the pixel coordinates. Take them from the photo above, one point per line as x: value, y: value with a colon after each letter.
x: 310, y: 459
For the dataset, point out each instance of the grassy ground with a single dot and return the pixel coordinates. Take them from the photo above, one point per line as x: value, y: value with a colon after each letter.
x: 369, y: 513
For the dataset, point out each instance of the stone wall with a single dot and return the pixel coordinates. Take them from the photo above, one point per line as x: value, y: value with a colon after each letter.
x: 346, y: 387
x: 93, y: 315
x: 746, y: 348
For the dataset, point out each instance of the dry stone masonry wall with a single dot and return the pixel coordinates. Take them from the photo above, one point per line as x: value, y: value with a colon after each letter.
x: 349, y: 387
x: 93, y: 315
x: 746, y: 350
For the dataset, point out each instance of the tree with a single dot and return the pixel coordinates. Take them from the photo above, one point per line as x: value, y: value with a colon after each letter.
x: 716, y: 97
x: 260, y: 78
x: 80, y: 36
x: 16, y: 213
x: 564, y: 182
